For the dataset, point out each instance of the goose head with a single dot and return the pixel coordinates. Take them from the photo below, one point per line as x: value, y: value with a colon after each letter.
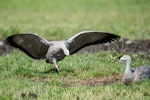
x: 125, y: 58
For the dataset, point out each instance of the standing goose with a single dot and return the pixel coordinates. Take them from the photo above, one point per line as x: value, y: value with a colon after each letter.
x: 134, y: 74
x: 39, y: 48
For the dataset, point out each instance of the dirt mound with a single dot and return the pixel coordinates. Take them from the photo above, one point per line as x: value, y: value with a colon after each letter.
x: 123, y: 46
x: 4, y: 49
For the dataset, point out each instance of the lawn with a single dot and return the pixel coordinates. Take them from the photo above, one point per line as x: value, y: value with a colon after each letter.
x: 24, y: 78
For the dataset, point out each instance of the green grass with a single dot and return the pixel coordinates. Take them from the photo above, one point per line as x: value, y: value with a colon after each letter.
x: 24, y: 75
x: 59, y: 20
x: 62, y: 19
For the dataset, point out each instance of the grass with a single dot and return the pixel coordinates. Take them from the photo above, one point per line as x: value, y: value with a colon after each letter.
x: 55, y: 20
x: 24, y: 75
x: 60, y: 20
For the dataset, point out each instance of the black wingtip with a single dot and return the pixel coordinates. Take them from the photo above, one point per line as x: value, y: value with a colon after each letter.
x: 117, y: 37
x: 111, y: 38
x: 114, y: 36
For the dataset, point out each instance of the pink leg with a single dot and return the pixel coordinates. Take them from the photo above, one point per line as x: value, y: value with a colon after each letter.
x: 56, y: 65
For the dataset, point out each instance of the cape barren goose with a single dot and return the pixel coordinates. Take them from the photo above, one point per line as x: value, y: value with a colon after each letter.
x: 134, y: 74
x: 39, y: 48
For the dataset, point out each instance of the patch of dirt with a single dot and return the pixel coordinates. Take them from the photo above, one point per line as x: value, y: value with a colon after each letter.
x: 69, y: 81
x: 92, y: 81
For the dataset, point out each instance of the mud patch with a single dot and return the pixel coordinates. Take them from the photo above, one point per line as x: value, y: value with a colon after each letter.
x: 93, y: 81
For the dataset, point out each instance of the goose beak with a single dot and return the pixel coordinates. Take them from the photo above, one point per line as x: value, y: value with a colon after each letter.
x: 121, y: 60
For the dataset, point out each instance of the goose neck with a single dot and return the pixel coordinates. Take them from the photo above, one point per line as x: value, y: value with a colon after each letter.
x: 128, y: 64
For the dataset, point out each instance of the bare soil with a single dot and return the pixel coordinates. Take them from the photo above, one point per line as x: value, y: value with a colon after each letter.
x: 69, y: 81
x: 92, y: 81
x: 123, y: 46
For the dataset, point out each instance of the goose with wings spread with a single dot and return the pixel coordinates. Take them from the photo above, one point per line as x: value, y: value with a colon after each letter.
x: 39, y: 48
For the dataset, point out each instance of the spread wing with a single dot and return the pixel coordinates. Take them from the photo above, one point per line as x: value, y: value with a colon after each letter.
x: 86, y: 38
x: 33, y: 45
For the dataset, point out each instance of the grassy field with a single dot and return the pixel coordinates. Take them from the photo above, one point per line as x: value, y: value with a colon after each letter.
x: 54, y: 20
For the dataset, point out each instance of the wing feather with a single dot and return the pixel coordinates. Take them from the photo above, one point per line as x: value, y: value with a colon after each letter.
x: 86, y: 38
x: 33, y: 45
